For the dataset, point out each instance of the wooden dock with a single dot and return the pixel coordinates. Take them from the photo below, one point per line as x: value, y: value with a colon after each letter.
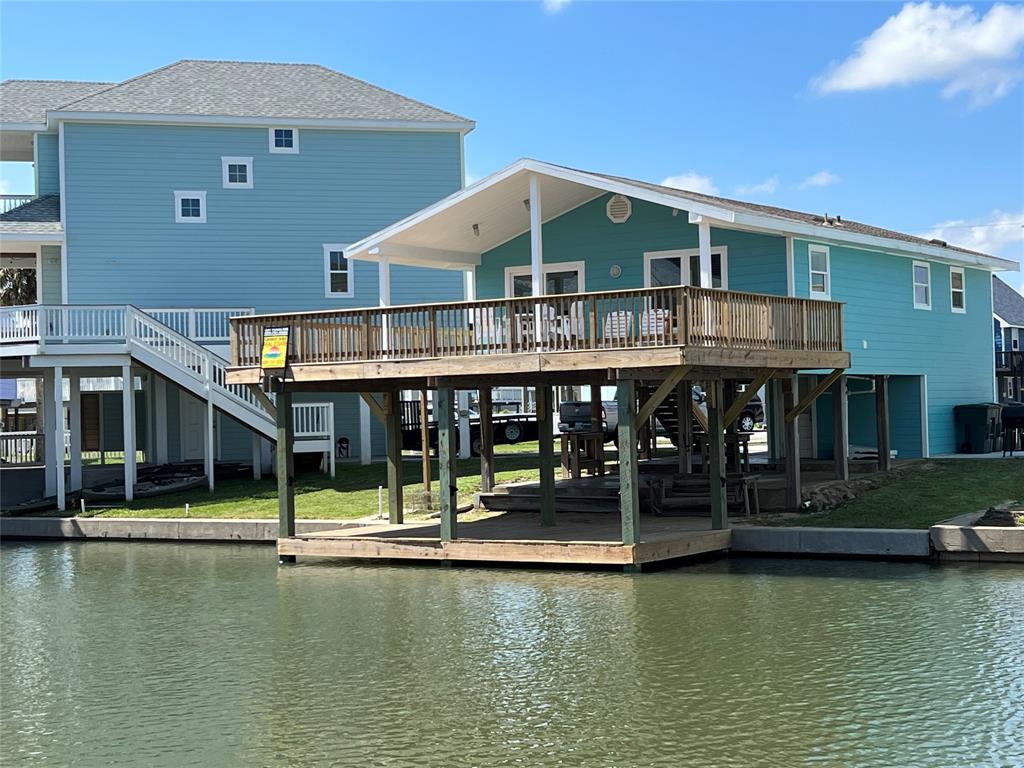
x: 518, y: 537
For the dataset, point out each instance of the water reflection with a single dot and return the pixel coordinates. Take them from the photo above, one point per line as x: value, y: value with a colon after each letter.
x: 212, y: 655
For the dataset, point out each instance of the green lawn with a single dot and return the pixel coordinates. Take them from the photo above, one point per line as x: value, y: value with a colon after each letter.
x: 353, y: 493
x: 935, y: 491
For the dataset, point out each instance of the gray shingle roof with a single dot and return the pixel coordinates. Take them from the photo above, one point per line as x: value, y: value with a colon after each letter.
x: 26, y: 101
x: 1007, y: 303
x: 253, y: 89
x: 41, y: 215
x: 847, y: 225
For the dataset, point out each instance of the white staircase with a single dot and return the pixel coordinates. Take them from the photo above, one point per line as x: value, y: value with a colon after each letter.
x: 157, y: 346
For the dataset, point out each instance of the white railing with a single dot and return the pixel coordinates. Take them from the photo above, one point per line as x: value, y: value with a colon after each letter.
x: 19, y: 324
x: 313, y: 425
x: 10, y: 202
x: 205, y: 324
x: 20, y: 448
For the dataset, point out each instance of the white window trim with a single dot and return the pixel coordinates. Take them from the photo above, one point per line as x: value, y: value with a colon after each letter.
x: 292, y: 150
x: 963, y: 290
x: 178, y: 195
x: 913, y: 284
x: 684, y: 263
x: 557, y: 266
x: 827, y: 293
x: 328, y: 293
x: 225, y: 162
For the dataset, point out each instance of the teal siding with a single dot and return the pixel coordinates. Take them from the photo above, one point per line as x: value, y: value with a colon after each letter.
x: 756, y: 262
x: 113, y: 423
x: 50, y: 290
x: 952, y: 349
x: 260, y: 247
x: 47, y: 164
x: 904, y: 418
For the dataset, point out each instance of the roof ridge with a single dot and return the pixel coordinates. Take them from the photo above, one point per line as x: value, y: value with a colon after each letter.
x: 117, y: 85
x: 65, y: 82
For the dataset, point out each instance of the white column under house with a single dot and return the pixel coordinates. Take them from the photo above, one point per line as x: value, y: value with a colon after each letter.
x: 128, y: 423
x: 75, y: 428
x: 57, y: 403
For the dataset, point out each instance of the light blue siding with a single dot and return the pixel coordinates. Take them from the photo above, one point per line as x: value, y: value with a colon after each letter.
x: 51, y: 289
x: 904, y: 417
x: 756, y: 262
x: 885, y: 334
x: 260, y: 247
x: 47, y: 164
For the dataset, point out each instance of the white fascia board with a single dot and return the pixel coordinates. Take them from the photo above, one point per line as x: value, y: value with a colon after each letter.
x: 41, y: 238
x: 263, y: 122
x: 23, y: 127
x: 871, y: 242
x: 411, y: 255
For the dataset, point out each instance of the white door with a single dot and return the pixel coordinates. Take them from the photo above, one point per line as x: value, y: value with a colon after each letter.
x: 193, y: 422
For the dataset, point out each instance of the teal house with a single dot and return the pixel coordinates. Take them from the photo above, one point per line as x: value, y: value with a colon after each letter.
x: 170, y: 202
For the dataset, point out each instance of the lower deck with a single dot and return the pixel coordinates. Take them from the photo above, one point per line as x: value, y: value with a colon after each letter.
x: 578, y: 538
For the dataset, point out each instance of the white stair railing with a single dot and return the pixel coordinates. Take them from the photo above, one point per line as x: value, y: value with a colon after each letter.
x: 19, y: 324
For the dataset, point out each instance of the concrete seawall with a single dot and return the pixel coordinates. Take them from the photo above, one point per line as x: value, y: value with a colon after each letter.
x: 832, y: 542
x: 153, y: 528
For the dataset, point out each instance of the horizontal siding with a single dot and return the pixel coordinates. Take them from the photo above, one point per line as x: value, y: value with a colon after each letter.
x: 885, y: 334
x: 260, y: 247
x: 50, y: 291
x: 47, y: 164
x: 756, y: 262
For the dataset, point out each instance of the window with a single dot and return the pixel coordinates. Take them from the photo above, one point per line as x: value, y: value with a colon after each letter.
x: 922, y: 285
x: 337, y: 271
x: 666, y: 268
x: 821, y: 280
x: 190, y: 207
x: 957, y: 291
x: 236, y: 172
x: 284, y: 140
x: 559, y: 278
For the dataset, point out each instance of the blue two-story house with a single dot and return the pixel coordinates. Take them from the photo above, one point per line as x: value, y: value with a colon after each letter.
x: 167, y: 203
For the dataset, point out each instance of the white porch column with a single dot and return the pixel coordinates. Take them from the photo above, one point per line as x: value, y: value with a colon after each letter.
x: 58, y: 433
x: 160, y: 419
x: 128, y: 423
x: 44, y: 400
x: 469, y: 285
x: 148, y: 388
x: 365, y: 434
x: 704, y: 247
x: 384, y: 286
x: 464, y: 431
x: 536, y: 238
x: 208, y: 446
x: 75, y: 427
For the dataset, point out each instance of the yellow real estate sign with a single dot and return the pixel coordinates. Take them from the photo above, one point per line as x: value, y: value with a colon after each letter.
x: 275, y: 347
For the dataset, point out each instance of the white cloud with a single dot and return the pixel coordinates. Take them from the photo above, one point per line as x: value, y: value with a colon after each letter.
x: 819, y: 179
x: 691, y: 181
x: 551, y: 7
x: 976, y: 56
x: 1001, y: 233
x: 766, y: 187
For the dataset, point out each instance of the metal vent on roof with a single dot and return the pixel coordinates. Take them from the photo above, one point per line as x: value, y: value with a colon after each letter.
x: 619, y: 208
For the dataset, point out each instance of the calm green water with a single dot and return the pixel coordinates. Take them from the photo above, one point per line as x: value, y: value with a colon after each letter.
x: 168, y: 655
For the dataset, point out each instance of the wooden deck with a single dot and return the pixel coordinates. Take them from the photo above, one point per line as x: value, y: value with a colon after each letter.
x: 518, y: 537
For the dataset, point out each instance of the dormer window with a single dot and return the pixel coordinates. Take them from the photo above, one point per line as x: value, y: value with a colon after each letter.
x: 284, y: 140
x: 236, y: 172
x: 190, y: 207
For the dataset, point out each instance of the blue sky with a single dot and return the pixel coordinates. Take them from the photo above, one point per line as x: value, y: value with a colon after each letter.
x: 910, y: 117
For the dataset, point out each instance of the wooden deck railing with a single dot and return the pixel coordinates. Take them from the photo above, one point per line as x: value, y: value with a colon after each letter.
x: 650, y: 317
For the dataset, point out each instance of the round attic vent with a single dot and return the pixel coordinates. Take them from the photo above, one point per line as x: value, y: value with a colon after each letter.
x: 620, y: 208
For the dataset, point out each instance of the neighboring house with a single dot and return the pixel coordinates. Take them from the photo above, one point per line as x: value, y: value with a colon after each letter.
x: 915, y: 311
x: 193, y: 192
x: 1008, y: 334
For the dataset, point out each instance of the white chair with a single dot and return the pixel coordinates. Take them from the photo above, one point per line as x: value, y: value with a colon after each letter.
x: 654, y: 326
x: 618, y: 327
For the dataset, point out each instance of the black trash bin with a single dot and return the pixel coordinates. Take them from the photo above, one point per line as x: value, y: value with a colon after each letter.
x: 979, y: 427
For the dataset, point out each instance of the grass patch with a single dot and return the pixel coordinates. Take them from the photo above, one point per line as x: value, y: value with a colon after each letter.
x: 352, y: 494
x: 929, y: 493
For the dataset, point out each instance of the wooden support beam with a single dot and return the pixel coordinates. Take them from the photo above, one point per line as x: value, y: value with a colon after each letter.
x: 840, y: 429
x: 447, y: 467
x: 698, y: 414
x: 663, y: 391
x: 486, y: 440
x: 425, y: 448
x: 285, y: 468
x: 884, y: 440
x: 716, y: 455
x: 597, y: 421
x: 747, y: 395
x: 684, y: 417
x: 792, y: 446
x: 266, y: 402
x: 629, y: 476
x: 546, y: 440
x: 375, y: 408
x: 810, y: 397
x: 393, y: 427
